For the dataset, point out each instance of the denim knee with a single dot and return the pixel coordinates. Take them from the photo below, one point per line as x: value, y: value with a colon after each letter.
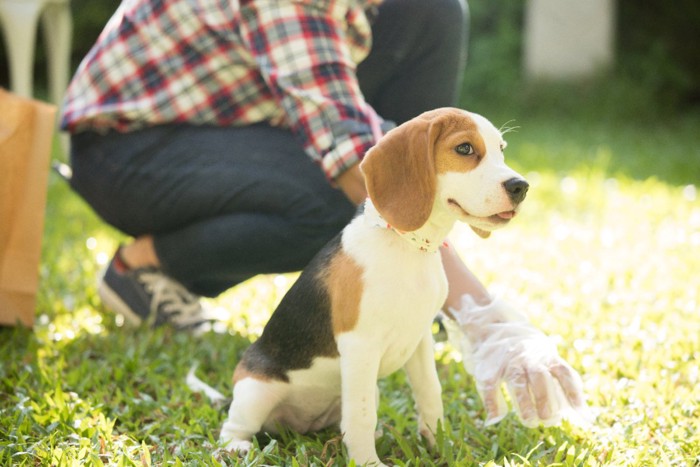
x: 447, y: 18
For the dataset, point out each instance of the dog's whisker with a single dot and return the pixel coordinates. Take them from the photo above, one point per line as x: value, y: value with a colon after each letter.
x: 506, y: 128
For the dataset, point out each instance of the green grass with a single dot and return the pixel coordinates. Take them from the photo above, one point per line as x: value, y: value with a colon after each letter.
x: 604, y: 258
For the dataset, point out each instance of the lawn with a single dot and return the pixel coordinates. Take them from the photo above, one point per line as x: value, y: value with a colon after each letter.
x: 605, y: 258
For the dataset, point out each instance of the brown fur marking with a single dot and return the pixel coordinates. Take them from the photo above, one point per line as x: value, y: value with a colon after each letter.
x: 400, y: 175
x: 344, y: 282
x: 456, y: 130
x: 241, y: 372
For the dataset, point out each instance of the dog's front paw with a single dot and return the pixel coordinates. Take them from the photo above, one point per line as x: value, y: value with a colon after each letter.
x: 429, y: 436
x: 368, y: 461
x: 371, y: 463
x: 239, y: 446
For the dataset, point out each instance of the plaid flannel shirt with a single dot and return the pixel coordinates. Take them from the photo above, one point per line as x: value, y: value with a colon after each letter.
x: 290, y: 63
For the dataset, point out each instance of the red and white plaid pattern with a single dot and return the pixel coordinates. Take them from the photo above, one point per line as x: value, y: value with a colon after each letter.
x: 290, y: 63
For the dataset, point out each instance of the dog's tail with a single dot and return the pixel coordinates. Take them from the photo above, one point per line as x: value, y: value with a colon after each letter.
x: 197, y: 385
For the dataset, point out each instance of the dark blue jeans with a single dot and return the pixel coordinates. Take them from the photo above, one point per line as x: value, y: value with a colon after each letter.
x: 226, y: 204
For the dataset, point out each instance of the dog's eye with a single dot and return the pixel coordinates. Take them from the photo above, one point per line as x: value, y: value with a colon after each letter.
x: 465, y: 149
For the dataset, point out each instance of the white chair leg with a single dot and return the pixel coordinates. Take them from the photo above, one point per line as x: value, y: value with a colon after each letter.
x: 19, y: 20
x: 58, y: 30
x: 58, y: 27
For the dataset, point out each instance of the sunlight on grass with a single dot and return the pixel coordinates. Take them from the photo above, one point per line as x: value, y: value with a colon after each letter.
x: 246, y: 309
x: 65, y: 327
x: 606, y: 267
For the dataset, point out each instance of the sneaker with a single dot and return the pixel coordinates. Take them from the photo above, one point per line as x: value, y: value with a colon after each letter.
x: 146, y: 295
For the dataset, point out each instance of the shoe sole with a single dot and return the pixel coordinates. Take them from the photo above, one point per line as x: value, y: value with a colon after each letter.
x: 113, y: 301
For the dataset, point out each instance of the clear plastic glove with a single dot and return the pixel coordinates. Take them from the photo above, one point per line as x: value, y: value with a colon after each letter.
x: 499, y: 345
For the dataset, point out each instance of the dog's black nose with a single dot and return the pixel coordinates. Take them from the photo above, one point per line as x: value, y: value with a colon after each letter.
x: 516, y: 189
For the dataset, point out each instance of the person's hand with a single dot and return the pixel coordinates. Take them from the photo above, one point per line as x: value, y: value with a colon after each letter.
x: 352, y: 182
x: 499, y: 345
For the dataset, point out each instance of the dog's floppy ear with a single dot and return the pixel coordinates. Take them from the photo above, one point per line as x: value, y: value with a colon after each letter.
x: 400, y: 173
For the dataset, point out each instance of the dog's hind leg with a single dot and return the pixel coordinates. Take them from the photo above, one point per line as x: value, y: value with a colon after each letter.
x: 253, y: 402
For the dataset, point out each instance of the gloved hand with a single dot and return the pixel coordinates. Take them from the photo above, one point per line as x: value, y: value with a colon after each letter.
x: 499, y: 345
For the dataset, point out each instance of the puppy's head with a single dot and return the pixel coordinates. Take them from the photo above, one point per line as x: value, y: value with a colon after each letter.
x: 448, y: 158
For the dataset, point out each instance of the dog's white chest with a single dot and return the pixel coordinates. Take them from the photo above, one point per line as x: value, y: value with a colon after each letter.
x: 404, y: 318
x: 404, y: 289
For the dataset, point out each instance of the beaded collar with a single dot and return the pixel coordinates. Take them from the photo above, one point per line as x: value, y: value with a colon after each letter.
x: 418, y: 241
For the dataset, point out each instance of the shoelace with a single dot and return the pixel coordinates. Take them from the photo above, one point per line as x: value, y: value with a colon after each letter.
x: 171, y: 301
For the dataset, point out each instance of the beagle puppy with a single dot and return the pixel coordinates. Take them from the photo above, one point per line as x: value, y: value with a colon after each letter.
x: 364, y: 306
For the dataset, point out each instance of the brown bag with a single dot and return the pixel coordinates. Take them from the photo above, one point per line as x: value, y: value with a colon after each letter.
x: 26, y: 132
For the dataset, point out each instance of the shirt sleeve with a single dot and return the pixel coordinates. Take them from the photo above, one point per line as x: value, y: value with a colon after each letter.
x: 307, y: 54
